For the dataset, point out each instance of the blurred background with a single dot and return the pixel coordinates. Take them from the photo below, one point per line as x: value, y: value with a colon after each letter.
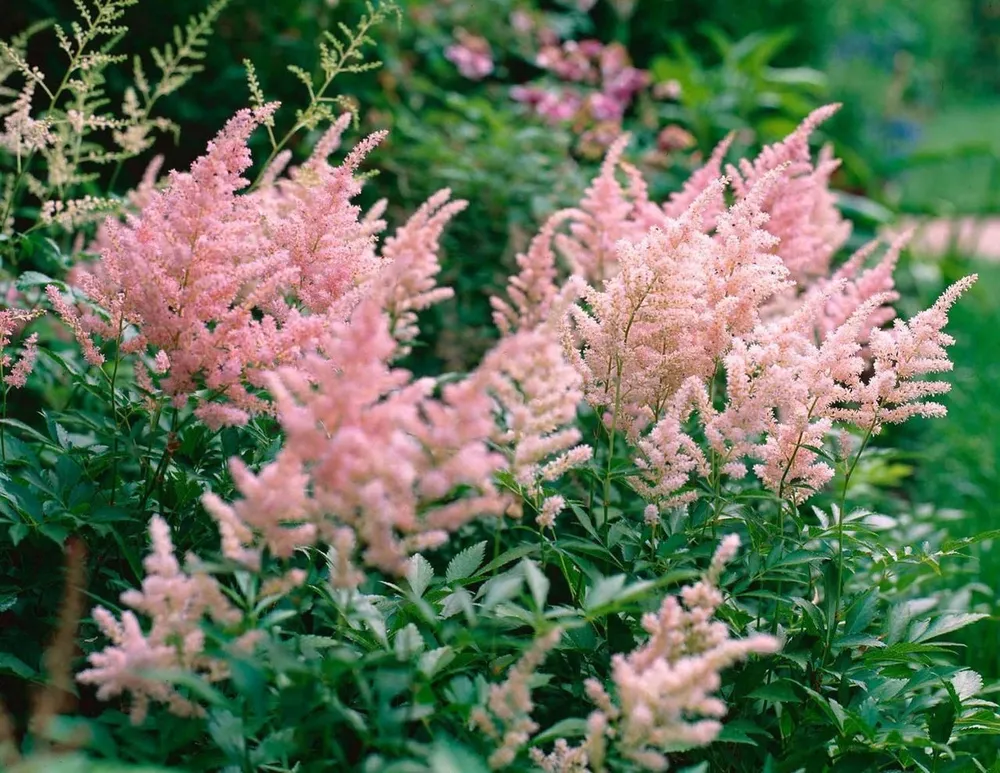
x: 511, y: 103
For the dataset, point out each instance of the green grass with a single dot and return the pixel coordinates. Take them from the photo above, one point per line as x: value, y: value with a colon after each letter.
x: 956, y: 167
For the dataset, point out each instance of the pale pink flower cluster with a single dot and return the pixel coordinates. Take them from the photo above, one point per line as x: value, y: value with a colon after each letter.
x: 16, y: 369
x: 672, y: 308
x: 228, y: 285
x: 803, y: 211
x: 537, y: 392
x: 471, y: 54
x: 506, y: 719
x: 22, y: 134
x: 664, y: 691
x: 536, y: 388
x: 679, y: 293
x: 596, y: 85
x: 177, y: 602
x: 367, y: 448
x: 408, y: 283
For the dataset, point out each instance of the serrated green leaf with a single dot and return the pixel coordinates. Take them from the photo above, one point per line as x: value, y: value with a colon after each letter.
x: 604, y: 591
x: 408, y: 642
x: 419, y: 573
x: 948, y: 623
x: 432, y: 661
x: 466, y: 563
x: 501, y: 588
x: 538, y: 583
x: 857, y: 640
x: 967, y: 683
x: 861, y: 612
x: 459, y: 600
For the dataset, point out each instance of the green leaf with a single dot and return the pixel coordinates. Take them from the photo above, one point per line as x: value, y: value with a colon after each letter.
x: 450, y: 757
x: 604, y: 591
x: 501, y: 588
x: 419, y: 574
x: 17, y: 666
x: 459, y: 600
x: 780, y: 691
x: 861, y: 612
x: 942, y: 722
x: 949, y: 623
x: 228, y: 733
x: 967, y: 684
x: 508, y: 556
x: 408, y: 642
x: 466, y: 563
x: 538, y: 583
x: 571, y: 727
x: 17, y: 532
x: 29, y: 279
x: 857, y: 640
x: 434, y: 660
x: 740, y: 731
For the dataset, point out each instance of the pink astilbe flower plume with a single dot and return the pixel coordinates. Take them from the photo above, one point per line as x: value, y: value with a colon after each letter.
x: 671, y: 310
x: 900, y: 356
x: 803, y: 212
x: 16, y: 369
x: 781, y: 388
x: 228, y: 284
x: 533, y: 291
x: 408, y: 283
x: 176, y: 602
x: 506, y: 718
x: 184, y: 271
x: 702, y: 179
x: 858, y: 284
x: 664, y: 691
x: 668, y: 457
x: 311, y: 220
x: 366, y: 449
x: 537, y: 392
x: 745, y: 272
x: 590, y: 246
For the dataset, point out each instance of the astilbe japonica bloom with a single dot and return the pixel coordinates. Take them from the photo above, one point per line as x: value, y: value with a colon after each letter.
x: 366, y: 448
x: 15, y: 369
x: 506, y: 718
x: 223, y: 285
x: 803, y: 211
x: 663, y: 697
x: 537, y: 393
x: 695, y: 289
x: 536, y: 389
x: 689, y: 313
x: 672, y: 308
x: 177, y: 603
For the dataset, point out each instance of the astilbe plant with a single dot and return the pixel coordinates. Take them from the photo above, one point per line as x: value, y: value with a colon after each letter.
x: 668, y: 324
x: 651, y: 355
x: 219, y: 287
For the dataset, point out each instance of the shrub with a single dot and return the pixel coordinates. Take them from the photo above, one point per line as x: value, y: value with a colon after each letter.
x: 528, y: 565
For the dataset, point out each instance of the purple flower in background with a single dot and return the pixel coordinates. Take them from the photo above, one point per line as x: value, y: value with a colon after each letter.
x: 604, y: 107
x: 471, y: 54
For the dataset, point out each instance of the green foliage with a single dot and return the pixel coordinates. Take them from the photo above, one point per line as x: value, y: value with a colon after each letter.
x: 872, y: 603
